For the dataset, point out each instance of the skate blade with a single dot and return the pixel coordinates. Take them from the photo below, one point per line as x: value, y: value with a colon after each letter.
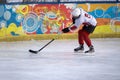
x: 91, y: 52
x: 78, y: 52
x: 82, y: 53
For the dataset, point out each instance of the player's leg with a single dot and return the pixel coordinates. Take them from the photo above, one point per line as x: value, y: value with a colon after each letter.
x: 86, y: 32
x: 80, y: 48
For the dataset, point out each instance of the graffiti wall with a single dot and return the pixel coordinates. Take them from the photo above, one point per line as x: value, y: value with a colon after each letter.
x: 34, y: 19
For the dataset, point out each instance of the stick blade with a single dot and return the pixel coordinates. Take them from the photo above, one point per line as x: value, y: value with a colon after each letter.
x: 35, y: 52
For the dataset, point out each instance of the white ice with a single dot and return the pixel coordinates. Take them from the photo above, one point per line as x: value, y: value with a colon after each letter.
x: 58, y: 61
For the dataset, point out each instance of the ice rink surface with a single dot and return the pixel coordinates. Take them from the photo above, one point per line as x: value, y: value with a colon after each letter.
x: 59, y: 62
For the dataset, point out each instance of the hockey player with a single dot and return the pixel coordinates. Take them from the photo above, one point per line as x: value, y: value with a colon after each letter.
x: 86, y: 24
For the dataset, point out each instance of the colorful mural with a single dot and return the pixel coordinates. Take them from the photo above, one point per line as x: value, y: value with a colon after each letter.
x: 29, y: 19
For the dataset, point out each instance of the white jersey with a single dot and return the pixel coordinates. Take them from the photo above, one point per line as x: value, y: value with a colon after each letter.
x: 85, y: 19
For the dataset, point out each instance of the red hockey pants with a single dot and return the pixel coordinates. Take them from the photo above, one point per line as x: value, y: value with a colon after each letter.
x: 83, y: 36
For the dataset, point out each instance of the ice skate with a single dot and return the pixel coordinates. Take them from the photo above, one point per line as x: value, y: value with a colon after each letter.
x: 91, y: 50
x: 79, y: 49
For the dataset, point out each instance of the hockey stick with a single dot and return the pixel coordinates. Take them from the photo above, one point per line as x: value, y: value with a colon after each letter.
x: 35, y: 52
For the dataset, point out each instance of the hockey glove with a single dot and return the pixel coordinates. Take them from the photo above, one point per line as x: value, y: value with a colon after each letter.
x: 65, y: 30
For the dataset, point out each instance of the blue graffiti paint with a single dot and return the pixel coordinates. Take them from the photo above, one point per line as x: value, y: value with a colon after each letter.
x: 30, y: 23
x: 111, y: 12
x: 1, y: 10
x: 7, y: 15
x: 19, y: 18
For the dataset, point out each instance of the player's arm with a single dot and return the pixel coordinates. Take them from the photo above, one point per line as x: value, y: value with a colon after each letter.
x: 69, y: 29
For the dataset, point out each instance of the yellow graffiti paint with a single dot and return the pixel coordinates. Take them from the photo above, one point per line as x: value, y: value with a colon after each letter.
x: 20, y: 31
x: 24, y: 9
x: 91, y: 7
x: 3, y: 32
x: 11, y: 28
x: 103, y: 29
